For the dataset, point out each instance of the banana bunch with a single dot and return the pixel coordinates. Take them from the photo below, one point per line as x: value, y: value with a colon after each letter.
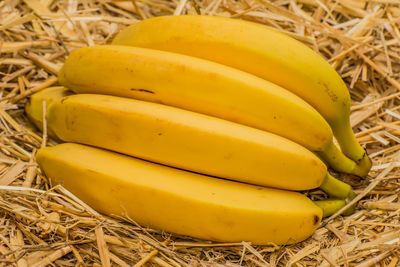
x: 154, y: 120
x: 263, y: 52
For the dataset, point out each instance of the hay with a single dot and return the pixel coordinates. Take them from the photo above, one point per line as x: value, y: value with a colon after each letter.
x: 41, y: 225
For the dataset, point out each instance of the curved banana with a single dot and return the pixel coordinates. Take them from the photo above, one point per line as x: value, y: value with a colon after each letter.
x: 202, y: 86
x: 261, y: 51
x: 178, y: 201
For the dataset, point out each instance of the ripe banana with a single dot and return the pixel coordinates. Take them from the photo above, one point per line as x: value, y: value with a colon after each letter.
x: 189, y: 141
x: 261, y: 51
x: 202, y: 86
x: 178, y: 201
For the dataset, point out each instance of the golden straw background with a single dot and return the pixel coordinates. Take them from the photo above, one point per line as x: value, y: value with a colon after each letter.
x: 41, y: 225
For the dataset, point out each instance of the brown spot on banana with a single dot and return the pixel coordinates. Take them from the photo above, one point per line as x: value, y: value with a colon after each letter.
x: 330, y: 93
x: 142, y: 90
x: 316, y: 219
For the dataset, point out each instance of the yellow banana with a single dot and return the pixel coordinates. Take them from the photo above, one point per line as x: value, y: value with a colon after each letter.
x: 34, y: 107
x: 178, y: 201
x: 202, y: 86
x: 189, y: 141
x: 261, y: 51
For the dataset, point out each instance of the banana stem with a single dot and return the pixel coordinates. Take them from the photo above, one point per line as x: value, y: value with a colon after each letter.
x: 351, y: 209
x: 335, y: 188
x: 351, y: 148
x: 365, y: 164
x: 339, y: 162
x: 330, y: 206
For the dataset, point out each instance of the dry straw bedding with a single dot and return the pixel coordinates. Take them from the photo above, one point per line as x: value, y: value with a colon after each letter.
x: 41, y: 225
